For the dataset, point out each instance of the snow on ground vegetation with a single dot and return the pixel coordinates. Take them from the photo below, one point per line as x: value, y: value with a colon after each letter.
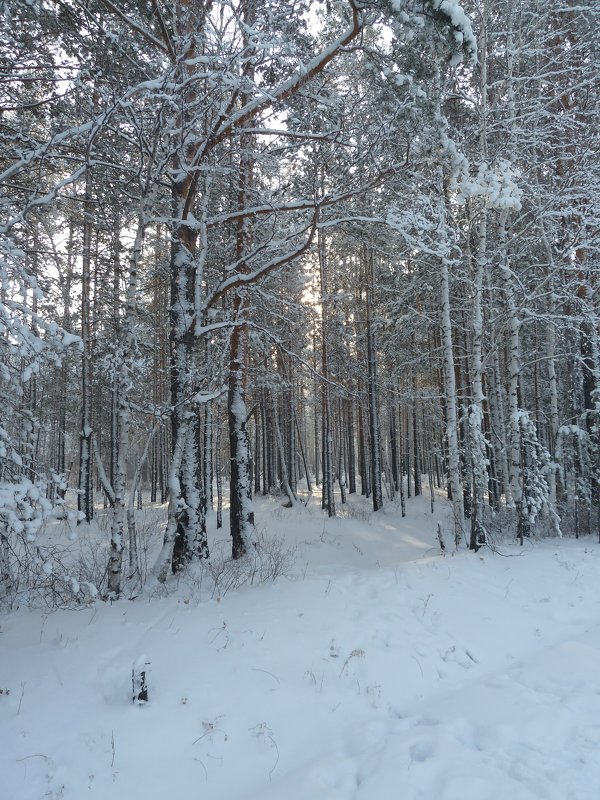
x: 376, y: 668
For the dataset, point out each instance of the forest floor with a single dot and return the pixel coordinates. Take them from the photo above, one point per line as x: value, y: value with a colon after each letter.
x: 377, y: 668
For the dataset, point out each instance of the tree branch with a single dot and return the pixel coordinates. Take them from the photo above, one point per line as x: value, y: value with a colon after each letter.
x: 283, y: 92
x: 164, y: 30
x: 298, y: 205
x: 136, y: 28
x: 245, y: 278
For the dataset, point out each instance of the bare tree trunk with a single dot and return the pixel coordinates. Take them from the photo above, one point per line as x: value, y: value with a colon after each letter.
x: 85, y: 500
x: 303, y: 455
x: 449, y: 374
x: 164, y: 561
x: 120, y: 449
x: 394, y: 448
x: 341, y: 474
x: 285, y: 483
x: 208, y: 454
x: 241, y: 509
x: 219, y: 477
x: 415, y: 438
x: 365, y: 483
x: 241, y: 520
x: 328, y: 499
x: 515, y: 477
x: 351, y: 447
x: 372, y: 387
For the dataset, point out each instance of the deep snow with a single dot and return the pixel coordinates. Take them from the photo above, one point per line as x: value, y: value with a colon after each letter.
x: 381, y: 669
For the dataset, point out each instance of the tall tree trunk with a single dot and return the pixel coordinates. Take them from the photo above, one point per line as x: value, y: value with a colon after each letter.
x: 479, y: 472
x: 208, y: 454
x: 285, y: 483
x: 415, y: 435
x: 241, y: 519
x: 85, y: 500
x: 515, y: 476
x: 372, y: 386
x: 449, y: 373
x: 188, y: 256
x: 351, y: 447
x: 328, y: 499
x: 219, y: 476
x: 120, y: 449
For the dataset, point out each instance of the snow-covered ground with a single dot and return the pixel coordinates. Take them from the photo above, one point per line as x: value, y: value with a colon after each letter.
x: 378, y: 669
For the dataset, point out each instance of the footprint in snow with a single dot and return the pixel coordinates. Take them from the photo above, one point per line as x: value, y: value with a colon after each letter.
x: 422, y: 751
x: 458, y: 656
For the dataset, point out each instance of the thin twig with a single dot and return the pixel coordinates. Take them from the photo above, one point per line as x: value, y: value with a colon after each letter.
x: 266, y: 671
x: 21, y: 698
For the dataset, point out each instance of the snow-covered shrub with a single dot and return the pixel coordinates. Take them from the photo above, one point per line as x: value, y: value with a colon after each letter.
x: 577, y: 452
x: 45, y: 576
x: 355, y: 512
x: 42, y: 562
x: 92, y: 549
x: 578, y: 518
x: 537, y: 466
x: 148, y: 537
x: 28, y: 344
x: 271, y: 559
x: 91, y: 561
x: 500, y: 525
x: 24, y: 510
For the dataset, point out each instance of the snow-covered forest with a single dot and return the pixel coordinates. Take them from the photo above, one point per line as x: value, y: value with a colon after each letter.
x: 310, y: 291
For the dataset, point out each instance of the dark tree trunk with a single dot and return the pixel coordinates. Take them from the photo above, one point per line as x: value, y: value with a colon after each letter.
x: 372, y: 389
x: 85, y: 500
x: 351, y: 447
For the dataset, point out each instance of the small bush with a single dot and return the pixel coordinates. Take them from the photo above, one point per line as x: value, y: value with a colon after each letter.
x: 46, y: 576
x: 269, y: 560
